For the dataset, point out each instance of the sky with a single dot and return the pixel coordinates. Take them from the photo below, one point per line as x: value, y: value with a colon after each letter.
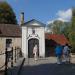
x: 43, y: 10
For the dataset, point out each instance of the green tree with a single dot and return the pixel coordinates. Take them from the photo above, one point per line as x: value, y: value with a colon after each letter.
x: 49, y: 28
x: 71, y: 34
x: 57, y: 26
x: 7, y: 15
x: 69, y: 31
x: 66, y: 29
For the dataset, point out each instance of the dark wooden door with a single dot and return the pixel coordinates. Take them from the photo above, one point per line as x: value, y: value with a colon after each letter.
x: 31, y: 44
x: 50, y: 47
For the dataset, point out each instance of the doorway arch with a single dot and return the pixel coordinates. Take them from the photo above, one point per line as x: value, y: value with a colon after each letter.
x: 31, y: 43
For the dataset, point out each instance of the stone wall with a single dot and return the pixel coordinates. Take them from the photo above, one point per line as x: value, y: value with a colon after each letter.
x: 16, y: 43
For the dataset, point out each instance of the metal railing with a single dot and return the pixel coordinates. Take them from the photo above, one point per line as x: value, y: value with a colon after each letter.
x: 9, y: 56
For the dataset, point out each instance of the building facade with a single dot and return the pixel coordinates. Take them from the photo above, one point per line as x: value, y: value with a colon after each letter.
x: 10, y: 35
x: 33, y: 33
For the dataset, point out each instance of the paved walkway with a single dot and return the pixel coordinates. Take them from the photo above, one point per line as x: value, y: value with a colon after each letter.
x: 45, y: 66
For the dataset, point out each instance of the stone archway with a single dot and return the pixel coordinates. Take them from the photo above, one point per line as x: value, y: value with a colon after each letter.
x: 31, y: 44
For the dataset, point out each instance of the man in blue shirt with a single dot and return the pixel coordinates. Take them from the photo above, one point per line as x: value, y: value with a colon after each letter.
x: 58, y: 52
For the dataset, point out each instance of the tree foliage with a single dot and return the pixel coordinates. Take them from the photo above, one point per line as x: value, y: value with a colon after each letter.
x: 69, y: 31
x: 66, y: 29
x: 71, y: 34
x: 56, y: 27
x: 7, y: 15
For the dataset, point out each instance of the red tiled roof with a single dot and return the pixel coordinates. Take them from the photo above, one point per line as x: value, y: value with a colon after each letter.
x: 60, y: 39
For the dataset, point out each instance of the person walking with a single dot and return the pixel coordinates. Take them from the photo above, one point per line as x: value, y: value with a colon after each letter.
x: 66, y: 53
x: 35, y: 49
x: 58, y: 52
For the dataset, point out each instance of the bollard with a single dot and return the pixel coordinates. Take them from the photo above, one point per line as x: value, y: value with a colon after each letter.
x: 15, y: 54
x: 12, y: 57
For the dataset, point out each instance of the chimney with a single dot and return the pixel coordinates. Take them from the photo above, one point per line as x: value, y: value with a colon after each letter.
x: 22, y: 18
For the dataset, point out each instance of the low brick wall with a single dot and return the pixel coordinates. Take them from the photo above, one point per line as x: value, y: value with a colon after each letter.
x: 73, y: 58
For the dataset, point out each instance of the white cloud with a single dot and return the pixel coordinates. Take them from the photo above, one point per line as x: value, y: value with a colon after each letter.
x: 64, y: 15
x: 48, y: 30
x: 50, y: 22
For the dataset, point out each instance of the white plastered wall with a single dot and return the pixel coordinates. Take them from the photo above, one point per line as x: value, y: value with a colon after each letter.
x: 26, y: 31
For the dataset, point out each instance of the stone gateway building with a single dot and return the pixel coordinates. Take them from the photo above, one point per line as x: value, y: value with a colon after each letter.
x: 33, y: 33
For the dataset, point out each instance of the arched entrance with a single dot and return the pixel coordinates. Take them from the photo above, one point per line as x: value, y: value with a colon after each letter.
x: 31, y: 44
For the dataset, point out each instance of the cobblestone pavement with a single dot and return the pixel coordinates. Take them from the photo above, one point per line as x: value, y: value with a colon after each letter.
x: 45, y: 66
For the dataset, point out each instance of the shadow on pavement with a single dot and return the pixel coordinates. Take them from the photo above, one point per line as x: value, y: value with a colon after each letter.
x: 46, y: 69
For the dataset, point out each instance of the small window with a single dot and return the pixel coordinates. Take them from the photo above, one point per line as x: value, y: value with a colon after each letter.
x: 8, y: 42
x: 33, y: 31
